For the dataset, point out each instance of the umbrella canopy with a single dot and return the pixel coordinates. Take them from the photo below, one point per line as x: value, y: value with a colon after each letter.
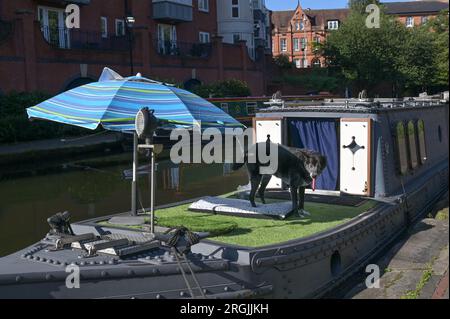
x: 113, y: 103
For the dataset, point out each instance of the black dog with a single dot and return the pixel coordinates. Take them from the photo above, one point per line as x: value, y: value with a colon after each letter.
x: 297, y: 168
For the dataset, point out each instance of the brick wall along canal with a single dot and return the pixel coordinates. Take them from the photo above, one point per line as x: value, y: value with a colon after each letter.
x: 94, y: 187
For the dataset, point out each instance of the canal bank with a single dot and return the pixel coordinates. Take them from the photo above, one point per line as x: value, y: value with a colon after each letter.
x: 28, y: 152
x: 415, y: 267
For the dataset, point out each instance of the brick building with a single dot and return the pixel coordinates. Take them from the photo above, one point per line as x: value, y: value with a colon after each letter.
x: 295, y: 31
x: 173, y: 40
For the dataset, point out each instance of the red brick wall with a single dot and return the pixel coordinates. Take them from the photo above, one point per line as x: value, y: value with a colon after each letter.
x: 28, y: 62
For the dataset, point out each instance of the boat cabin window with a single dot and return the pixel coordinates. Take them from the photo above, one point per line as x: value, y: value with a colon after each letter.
x: 412, y: 145
x: 402, y: 150
x: 422, y: 142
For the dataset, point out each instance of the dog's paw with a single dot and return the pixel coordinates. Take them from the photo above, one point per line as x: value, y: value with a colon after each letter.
x: 303, y: 213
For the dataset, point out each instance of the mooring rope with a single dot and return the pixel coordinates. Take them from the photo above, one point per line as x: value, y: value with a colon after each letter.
x: 192, y: 239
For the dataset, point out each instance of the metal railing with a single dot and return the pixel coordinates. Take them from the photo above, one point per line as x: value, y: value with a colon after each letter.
x: 183, y: 49
x: 80, y: 39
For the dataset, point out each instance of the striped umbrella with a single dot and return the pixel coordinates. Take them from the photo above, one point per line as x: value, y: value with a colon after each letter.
x: 114, y: 101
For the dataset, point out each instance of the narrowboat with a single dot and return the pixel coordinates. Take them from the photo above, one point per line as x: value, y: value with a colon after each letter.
x: 387, y: 166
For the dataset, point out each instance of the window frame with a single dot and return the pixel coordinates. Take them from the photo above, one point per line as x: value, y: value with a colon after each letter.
x: 116, y: 23
x: 235, y: 6
x: 297, y: 44
x: 401, y: 146
x: 283, y: 48
x: 333, y: 24
x: 104, y: 23
x: 410, y: 22
x: 207, y: 34
x: 411, y: 136
x: 422, y: 141
x: 202, y: 7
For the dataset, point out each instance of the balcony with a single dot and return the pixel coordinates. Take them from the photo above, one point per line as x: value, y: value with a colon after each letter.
x: 85, y: 40
x: 183, y: 49
x: 173, y: 11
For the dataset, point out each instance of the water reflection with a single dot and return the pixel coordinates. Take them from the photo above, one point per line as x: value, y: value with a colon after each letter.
x: 95, y: 187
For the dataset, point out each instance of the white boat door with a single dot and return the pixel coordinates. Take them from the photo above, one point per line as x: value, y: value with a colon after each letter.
x: 355, y: 162
x: 272, y: 127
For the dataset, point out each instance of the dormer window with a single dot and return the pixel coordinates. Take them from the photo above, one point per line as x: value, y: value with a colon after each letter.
x: 333, y: 25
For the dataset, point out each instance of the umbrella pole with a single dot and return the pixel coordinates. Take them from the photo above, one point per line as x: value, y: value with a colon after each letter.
x: 152, y: 198
x: 135, y: 176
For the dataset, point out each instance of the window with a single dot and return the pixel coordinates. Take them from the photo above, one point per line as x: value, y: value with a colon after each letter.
x: 422, y: 141
x: 224, y: 107
x: 316, y: 63
x: 104, y: 27
x: 333, y: 25
x: 283, y: 45
x: 120, y: 27
x: 299, y: 26
x: 402, y: 151
x: 424, y: 20
x: 252, y: 107
x: 298, y: 63
x: 236, y: 38
x: 303, y: 42
x: 410, y: 22
x: 53, y: 27
x: 235, y: 8
x: 204, y: 37
x: 167, y: 39
x: 203, y: 5
x: 296, y: 44
x: 304, y: 63
x: 316, y: 39
x: 411, y: 132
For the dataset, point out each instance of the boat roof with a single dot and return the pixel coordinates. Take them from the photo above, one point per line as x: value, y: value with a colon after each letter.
x: 371, y: 106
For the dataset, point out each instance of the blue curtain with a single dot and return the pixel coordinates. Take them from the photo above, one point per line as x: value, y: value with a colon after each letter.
x: 319, y: 135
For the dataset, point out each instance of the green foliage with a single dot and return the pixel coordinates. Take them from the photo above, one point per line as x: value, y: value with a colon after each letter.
x: 317, y: 80
x: 360, y: 5
x: 227, y: 88
x: 439, y: 25
x: 282, y: 61
x: 408, y: 58
x: 14, y: 123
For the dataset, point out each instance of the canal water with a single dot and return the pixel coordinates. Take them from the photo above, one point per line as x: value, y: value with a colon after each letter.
x: 92, y: 187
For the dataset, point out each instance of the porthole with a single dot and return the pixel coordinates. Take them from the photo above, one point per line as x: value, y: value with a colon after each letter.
x: 402, y: 149
x: 412, y: 145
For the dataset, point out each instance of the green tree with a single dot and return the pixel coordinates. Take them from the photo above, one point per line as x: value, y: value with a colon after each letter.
x: 282, y: 61
x: 227, y: 88
x: 403, y: 57
x: 440, y: 29
x: 360, y: 5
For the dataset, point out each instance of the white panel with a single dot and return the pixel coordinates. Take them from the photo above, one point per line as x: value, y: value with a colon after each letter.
x: 355, y: 148
x: 272, y: 128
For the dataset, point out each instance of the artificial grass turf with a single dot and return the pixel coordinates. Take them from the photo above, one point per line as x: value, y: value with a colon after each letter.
x: 261, y: 232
